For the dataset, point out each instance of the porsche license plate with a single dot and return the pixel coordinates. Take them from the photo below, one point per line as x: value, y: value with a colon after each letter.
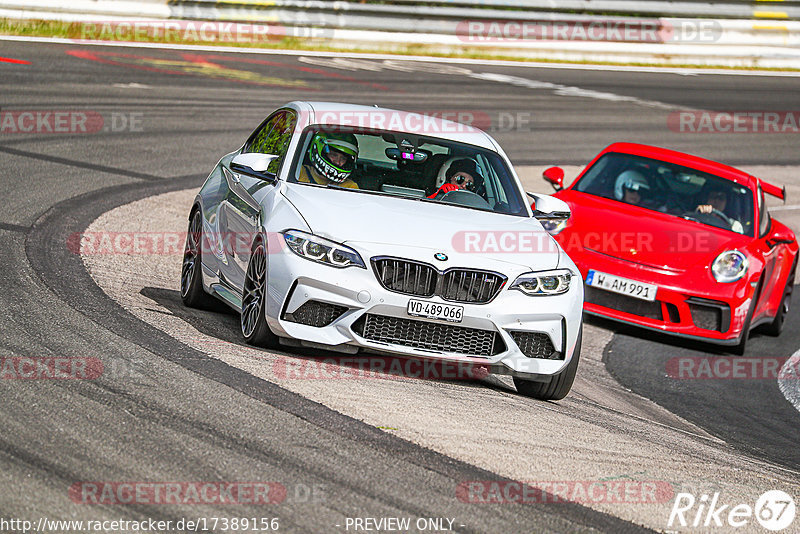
x: 433, y: 310
x: 623, y: 286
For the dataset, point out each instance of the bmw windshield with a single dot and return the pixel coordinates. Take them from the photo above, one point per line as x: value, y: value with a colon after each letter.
x: 407, y: 166
x: 673, y: 189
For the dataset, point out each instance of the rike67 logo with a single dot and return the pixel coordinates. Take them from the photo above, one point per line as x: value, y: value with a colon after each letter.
x: 774, y: 510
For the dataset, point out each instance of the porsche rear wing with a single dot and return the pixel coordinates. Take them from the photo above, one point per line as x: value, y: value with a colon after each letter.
x: 773, y: 190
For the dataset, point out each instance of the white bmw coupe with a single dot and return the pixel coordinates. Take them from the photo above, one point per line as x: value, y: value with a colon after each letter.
x: 354, y: 228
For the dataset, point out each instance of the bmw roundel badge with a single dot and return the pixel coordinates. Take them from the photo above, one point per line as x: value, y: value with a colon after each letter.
x: 441, y: 256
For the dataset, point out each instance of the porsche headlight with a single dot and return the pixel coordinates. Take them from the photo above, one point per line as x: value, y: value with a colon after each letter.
x: 322, y: 250
x: 543, y: 283
x: 729, y: 266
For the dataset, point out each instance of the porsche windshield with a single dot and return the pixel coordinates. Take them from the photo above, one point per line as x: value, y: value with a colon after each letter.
x: 673, y: 189
x: 407, y: 166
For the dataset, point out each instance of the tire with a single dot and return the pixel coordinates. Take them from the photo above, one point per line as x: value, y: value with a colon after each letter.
x: 192, y: 292
x: 776, y: 326
x: 557, y: 387
x: 253, y: 318
x: 740, y: 348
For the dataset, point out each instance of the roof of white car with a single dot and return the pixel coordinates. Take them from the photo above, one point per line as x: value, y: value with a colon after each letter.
x: 422, y: 123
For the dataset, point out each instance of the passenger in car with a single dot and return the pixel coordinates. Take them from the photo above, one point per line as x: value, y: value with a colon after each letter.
x: 631, y: 187
x: 463, y: 174
x: 331, y: 160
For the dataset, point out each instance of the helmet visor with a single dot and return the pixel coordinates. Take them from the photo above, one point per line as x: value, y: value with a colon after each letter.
x: 340, y: 155
x: 636, y: 188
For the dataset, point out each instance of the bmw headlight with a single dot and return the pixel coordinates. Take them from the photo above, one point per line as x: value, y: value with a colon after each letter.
x: 321, y: 250
x: 543, y: 283
x: 553, y: 226
x: 729, y: 266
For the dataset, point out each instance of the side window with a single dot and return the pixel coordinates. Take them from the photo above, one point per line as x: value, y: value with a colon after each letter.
x: 273, y: 137
x: 494, y: 193
x: 763, y: 214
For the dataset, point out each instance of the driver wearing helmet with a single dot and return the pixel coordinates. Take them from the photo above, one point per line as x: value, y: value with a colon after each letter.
x: 463, y: 173
x: 631, y: 187
x: 333, y: 159
x: 716, y: 202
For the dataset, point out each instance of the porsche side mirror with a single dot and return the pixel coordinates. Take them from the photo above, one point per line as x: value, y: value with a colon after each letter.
x: 784, y: 236
x: 554, y: 175
x: 547, y: 208
x: 772, y: 243
x: 254, y: 165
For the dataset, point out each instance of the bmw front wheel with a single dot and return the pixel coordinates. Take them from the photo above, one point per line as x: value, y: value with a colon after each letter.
x: 192, y: 292
x: 557, y: 387
x: 253, y: 319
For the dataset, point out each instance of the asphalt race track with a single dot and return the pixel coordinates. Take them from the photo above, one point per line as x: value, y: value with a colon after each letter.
x: 743, y: 411
x: 181, y: 398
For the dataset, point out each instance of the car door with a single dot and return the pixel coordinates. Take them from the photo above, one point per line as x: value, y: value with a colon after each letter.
x: 241, y: 209
x: 770, y: 254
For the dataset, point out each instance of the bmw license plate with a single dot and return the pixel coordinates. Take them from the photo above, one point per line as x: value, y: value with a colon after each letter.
x: 623, y: 286
x: 433, y: 310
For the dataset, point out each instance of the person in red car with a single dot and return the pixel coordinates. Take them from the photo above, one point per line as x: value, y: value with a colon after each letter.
x: 716, y: 202
x: 462, y: 174
x: 631, y: 187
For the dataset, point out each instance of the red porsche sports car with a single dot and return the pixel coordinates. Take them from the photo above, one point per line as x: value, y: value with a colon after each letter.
x: 677, y: 243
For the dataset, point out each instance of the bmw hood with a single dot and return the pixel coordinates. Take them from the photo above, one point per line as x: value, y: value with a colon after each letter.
x: 385, y: 225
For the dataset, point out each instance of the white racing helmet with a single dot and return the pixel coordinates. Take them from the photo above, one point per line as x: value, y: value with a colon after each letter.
x: 630, y: 179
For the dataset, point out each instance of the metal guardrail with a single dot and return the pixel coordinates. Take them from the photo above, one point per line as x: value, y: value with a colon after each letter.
x: 510, y: 28
x: 512, y: 9
x: 489, y: 26
x: 658, y: 8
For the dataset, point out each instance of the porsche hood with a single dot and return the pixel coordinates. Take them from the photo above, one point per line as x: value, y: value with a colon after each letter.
x: 642, y: 236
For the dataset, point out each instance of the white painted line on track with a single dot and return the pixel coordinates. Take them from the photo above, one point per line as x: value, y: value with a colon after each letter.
x: 566, y: 90
x: 429, y: 59
x: 391, y: 62
x: 351, y: 64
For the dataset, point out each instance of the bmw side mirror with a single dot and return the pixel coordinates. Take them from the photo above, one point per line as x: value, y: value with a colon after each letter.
x: 254, y: 165
x: 547, y: 208
x: 554, y: 175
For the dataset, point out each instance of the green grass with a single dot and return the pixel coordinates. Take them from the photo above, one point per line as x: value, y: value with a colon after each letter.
x: 74, y: 30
